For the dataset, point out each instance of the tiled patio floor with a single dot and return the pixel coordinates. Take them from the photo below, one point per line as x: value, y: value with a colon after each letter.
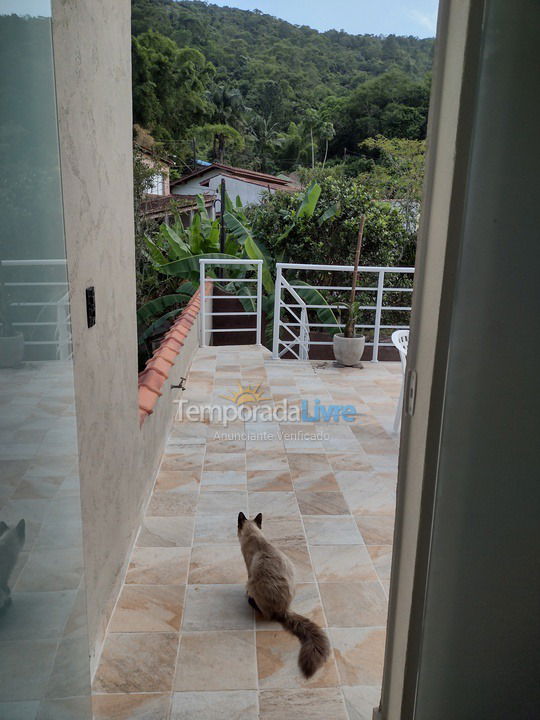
x: 183, y: 642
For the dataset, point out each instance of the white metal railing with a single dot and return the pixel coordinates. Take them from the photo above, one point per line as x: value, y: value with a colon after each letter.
x: 204, y: 313
x: 61, y: 325
x: 302, y: 339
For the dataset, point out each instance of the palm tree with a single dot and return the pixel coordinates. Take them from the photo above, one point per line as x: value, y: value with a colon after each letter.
x: 228, y: 111
x: 266, y: 135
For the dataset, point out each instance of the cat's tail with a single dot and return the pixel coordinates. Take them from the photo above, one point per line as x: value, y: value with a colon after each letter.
x: 315, y: 646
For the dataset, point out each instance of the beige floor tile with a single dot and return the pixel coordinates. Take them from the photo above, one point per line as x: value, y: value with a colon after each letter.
x: 321, y: 503
x: 359, y: 654
x: 189, y: 459
x: 217, y: 607
x: 269, y: 481
x: 222, y: 503
x: 361, y: 700
x: 375, y: 495
x: 342, y: 563
x: 312, y: 472
x: 332, y: 530
x: 223, y: 480
x: 55, y: 569
x: 137, y: 663
x: 295, y: 704
x: 148, y: 608
x: 131, y: 706
x: 166, y: 532
x: 352, y: 605
x: 217, y: 564
x: 178, y: 480
x: 298, y: 554
x: 216, y: 529
x: 224, y: 461
x: 284, y: 530
x: 274, y: 504
x: 381, y: 556
x: 158, y: 566
x: 209, y: 661
x: 306, y: 602
x: 228, y: 705
x: 376, y: 529
x: 349, y: 462
x: 277, y: 663
x: 171, y: 503
x: 227, y: 440
x: 266, y: 460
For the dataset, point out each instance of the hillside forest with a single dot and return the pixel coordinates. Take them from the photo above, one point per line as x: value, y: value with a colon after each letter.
x: 255, y: 91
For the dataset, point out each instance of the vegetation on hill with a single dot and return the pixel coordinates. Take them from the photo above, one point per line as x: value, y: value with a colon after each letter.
x: 254, y: 90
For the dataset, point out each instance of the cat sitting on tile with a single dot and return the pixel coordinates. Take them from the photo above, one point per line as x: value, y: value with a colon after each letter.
x: 11, y: 544
x: 271, y: 589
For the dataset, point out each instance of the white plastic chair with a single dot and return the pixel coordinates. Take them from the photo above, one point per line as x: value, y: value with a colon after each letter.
x: 400, y: 338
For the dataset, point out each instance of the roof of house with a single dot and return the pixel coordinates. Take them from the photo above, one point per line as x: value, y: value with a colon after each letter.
x: 160, y: 204
x: 250, y: 176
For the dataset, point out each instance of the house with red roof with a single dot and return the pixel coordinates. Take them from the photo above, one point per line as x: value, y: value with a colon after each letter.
x: 249, y: 185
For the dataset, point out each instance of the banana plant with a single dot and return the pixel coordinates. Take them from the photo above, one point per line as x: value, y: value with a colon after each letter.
x: 175, y: 251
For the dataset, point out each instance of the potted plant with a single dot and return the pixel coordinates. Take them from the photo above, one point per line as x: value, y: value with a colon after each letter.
x: 11, y: 342
x: 348, y: 346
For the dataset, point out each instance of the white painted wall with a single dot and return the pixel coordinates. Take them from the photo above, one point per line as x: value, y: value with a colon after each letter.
x: 249, y: 193
x: 118, y: 460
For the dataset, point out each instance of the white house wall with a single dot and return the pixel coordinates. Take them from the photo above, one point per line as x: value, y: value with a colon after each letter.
x: 249, y: 193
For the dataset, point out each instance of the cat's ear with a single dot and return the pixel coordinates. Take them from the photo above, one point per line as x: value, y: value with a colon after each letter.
x: 258, y: 520
x: 21, y: 530
x: 3, y: 527
x: 241, y: 520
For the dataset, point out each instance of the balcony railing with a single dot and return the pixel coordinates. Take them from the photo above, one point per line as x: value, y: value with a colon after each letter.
x: 291, y: 331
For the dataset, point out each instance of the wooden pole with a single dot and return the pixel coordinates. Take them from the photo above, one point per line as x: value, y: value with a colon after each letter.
x: 349, y: 330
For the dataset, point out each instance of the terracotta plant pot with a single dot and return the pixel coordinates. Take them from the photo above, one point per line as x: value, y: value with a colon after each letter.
x: 349, y: 351
x: 11, y: 350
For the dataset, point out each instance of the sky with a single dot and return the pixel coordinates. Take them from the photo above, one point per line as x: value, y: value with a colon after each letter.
x: 377, y: 17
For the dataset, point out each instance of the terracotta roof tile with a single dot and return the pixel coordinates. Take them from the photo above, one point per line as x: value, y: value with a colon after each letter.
x: 153, y: 377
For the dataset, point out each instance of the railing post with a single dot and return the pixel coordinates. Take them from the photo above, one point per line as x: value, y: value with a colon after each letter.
x: 378, y: 314
x: 202, y: 311
x: 259, y: 302
x: 277, y: 312
x: 304, y: 337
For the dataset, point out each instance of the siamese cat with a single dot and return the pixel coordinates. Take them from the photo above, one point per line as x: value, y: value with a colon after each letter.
x: 271, y: 589
x: 11, y: 544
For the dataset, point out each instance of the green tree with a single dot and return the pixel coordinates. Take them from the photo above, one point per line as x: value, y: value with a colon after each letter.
x: 266, y: 138
x: 397, y: 174
x: 227, y: 114
x: 169, y: 86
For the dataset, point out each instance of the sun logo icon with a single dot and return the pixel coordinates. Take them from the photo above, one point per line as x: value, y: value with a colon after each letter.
x: 246, y: 394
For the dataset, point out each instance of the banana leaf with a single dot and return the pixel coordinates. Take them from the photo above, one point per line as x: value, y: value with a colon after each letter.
x: 330, y: 213
x: 311, y: 296
x: 179, y: 248
x: 252, y: 249
x: 310, y: 200
x: 189, y: 267
x: 155, y: 253
x: 158, y: 325
x: 157, y: 306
